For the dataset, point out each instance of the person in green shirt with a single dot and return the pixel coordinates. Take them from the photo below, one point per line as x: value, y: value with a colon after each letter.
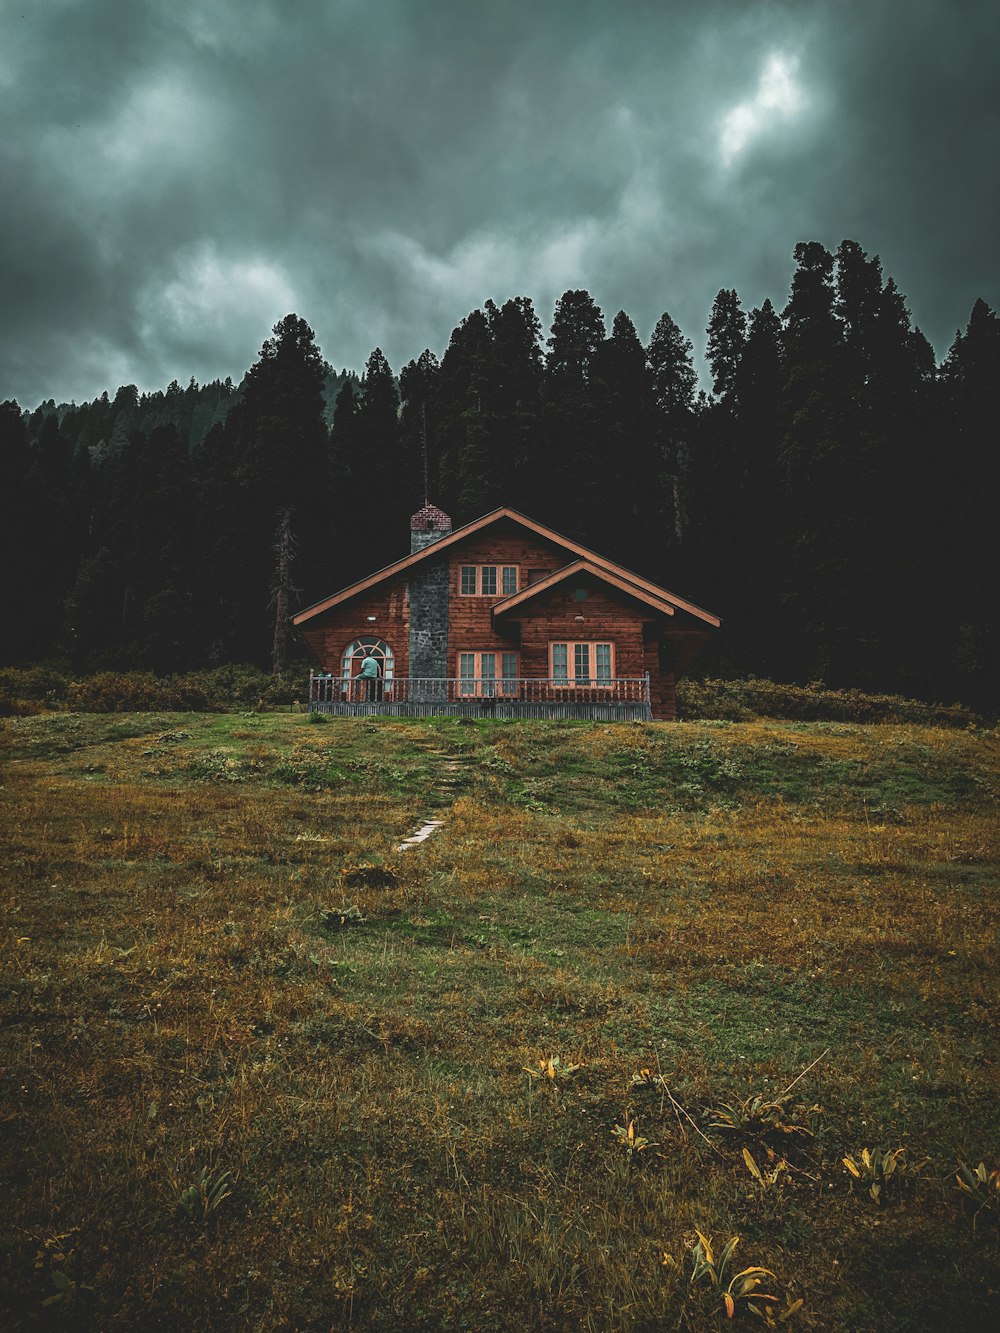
x: 369, y: 673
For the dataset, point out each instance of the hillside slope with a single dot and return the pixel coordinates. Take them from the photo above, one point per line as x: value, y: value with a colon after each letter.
x: 491, y: 1082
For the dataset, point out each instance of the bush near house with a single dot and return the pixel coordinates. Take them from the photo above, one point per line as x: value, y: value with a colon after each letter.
x: 30, y: 690
x: 742, y: 700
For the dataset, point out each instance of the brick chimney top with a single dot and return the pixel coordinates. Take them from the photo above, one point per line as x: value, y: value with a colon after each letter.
x: 428, y: 525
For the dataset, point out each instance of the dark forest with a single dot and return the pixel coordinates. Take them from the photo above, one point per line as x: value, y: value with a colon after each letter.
x: 833, y: 497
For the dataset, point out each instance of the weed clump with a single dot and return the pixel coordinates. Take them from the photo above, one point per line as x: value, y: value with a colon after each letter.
x: 368, y: 875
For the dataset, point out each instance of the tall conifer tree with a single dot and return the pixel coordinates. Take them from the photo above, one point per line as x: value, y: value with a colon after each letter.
x: 631, y: 502
x: 674, y: 382
x: 568, y: 464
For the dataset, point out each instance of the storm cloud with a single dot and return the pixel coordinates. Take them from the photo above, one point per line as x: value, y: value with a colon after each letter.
x: 177, y: 177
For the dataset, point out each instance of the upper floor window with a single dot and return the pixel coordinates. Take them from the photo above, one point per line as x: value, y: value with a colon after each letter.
x: 488, y: 580
x: 581, y: 663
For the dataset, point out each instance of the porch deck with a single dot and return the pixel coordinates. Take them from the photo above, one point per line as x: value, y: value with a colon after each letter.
x: 623, y: 699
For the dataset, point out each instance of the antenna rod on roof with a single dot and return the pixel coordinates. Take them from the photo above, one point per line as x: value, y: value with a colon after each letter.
x: 423, y: 439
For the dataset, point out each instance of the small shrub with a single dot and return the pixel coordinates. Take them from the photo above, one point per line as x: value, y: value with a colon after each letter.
x: 756, y: 1117
x: 743, y: 700
x: 35, y: 685
x: 769, y: 1178
x: 113, y: 692
x: 982, y: 1187
x: 631, y: 1141
x: 735, y: 1289
x: 878, y: 1170
x: 550, y: 1069
x: 12, y: 705
x: 340, y: 917
x: 243, y: 685
x: 134, y: 692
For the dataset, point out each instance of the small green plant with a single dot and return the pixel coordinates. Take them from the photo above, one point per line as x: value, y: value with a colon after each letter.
x: 628, y: 1136
x: 645, y: 1078
x: 981, y: 1186
x: 551, y: 1069
x: 878, y: 1169
x: 315, y: 718
x: 768, y: 1177
x: 201, y: 1201
x: 340, y: 917
x: 732, y: 1289
x: 66, y: 1290
x: 772, y: 1316
x: 758, y: 1116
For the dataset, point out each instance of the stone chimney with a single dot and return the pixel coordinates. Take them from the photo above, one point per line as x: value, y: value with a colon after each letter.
x: 428, y: 592
x: 428, y: 525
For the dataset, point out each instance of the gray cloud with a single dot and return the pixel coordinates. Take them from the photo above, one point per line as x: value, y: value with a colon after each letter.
x: 177, y: 178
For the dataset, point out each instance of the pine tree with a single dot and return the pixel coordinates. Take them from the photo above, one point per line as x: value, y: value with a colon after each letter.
x: 283, y: 589
x: 625, y: 417
x: 48, y: 499
x: 816, y: 525
x: 162, y: 558
x: 569, y: 486
x: 754, y: 620
x: 18, y: 534
x: 470, y: 467
x: 675, y: 380
x: 726, y: 341
x: 969, y: 541
x: 389, y: 482
x: 271, y: 453
x: 516, y: 396
x: 419, y: 423
x: 886, y: 377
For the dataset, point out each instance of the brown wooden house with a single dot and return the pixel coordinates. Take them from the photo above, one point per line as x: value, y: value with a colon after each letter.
x: 502, y: 616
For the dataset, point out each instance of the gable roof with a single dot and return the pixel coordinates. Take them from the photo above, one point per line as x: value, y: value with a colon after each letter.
x: 477, y: 525
x: 570, y: 571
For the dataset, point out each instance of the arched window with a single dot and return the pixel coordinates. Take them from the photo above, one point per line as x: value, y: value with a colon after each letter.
x: 356, y: 652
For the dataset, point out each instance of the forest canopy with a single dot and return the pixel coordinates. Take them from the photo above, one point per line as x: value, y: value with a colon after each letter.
x: 831, y: 495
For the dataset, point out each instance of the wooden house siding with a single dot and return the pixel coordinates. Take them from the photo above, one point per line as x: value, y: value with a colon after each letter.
x: 329, y: 634
x: 470, y: 618
x: 654, y: 633
x: 603, y: 619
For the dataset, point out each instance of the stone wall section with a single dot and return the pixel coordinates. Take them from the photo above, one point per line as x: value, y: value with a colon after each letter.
x: 429, y: 586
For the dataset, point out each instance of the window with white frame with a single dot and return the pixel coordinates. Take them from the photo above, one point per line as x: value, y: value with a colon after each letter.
x: 355, y: 653
x: 487, y: 674
x: 488, y: 580
x: 581, y: 663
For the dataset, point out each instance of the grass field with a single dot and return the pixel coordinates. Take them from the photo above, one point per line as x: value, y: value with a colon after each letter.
x: 261, y: 1071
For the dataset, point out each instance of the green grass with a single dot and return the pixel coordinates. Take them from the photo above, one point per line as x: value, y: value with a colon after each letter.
x: 215, y: 961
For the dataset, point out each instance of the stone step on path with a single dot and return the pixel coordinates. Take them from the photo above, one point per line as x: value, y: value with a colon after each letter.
x: 451, y: 782
x: 421, y: 835
x: 451, y: 778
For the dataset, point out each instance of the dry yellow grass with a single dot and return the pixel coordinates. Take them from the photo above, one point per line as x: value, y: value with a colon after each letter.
x: 192, y: 983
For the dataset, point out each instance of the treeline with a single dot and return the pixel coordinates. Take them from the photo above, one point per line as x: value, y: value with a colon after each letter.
x: 832, y: 497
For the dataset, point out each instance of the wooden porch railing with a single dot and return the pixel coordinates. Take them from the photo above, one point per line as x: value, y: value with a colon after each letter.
x: 333, y: 690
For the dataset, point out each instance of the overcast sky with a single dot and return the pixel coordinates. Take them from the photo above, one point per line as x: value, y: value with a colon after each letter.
x: 177, y: 175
